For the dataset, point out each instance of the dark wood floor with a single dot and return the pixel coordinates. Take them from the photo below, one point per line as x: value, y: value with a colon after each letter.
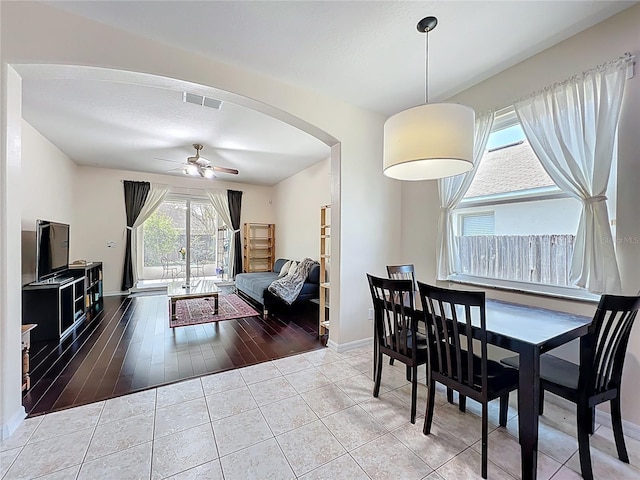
x: 129, y: 347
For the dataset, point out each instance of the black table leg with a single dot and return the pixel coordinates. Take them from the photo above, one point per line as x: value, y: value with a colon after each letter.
x: 528, y: 404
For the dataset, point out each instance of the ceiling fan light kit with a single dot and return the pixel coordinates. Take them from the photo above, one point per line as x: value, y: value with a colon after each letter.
x: 430, y: 141
x: 200, y: 166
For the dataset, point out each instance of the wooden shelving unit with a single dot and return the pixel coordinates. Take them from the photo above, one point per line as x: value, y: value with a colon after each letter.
x: 259, y: 247
x: 325, y: 261
x: 92, y: 273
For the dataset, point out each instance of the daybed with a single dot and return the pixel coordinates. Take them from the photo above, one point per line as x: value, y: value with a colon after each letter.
x: 254, y: 285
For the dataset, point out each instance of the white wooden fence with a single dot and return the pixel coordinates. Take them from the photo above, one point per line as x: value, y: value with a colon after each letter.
x: 529, y: 258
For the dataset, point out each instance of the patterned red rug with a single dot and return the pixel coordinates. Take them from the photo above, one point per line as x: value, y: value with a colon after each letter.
x: 194, y: 311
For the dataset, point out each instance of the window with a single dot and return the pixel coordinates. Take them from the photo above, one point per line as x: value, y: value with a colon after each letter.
x: 182, y: 224
x: 477, y: 224
x: 515, y: 227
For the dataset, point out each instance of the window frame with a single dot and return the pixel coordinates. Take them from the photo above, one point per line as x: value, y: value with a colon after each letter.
x: 175, y: 197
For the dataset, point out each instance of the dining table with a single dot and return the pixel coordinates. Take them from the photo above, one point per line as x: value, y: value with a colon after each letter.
x: 530, y: 332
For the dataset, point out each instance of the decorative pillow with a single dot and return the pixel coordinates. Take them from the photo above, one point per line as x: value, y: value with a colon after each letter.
x: 285, y: 269
x: 293, y: 268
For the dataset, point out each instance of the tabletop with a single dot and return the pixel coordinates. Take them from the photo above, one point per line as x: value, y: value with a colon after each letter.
x: 196, y: 288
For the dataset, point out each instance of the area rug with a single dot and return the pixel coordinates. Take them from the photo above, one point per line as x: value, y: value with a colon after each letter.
x: 194, y: 311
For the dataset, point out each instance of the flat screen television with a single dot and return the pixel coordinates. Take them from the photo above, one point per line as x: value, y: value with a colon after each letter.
x: 52, y: 249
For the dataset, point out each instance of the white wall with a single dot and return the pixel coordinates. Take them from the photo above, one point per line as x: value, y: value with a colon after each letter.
x: 297, y: 202
x: 11, y: 410
x: 100, y: 214
x: 48, y: 181
x: 551, y: 217
x: 365, y: 203
x: 603, y: 42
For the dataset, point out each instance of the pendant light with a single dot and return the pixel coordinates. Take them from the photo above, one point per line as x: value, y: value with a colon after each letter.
x: 430, y: 141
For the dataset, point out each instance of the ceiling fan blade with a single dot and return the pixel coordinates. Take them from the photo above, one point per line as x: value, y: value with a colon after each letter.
x: 167, y: 160
x: 225, y: 170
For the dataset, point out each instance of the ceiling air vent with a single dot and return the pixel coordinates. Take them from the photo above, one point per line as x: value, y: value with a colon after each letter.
x: 201, y: 100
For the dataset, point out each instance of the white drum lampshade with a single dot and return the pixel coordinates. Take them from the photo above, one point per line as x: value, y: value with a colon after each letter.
x: 429, y: 141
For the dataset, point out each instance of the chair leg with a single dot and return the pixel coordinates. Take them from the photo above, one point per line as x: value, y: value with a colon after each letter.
x: 391, y: 360
x: 541, y: 402
x: 592, y: 424
x: 584, y: 426
x: 378, y: 373
x: 504, y: 405
x: 375, y: 359
x: 462, y: 402
x: 616, y: 422
x: 431, y: 400
x: 449, y: 395
x: 414, y: 392
x: 485, y: 438
x: 408, y: 373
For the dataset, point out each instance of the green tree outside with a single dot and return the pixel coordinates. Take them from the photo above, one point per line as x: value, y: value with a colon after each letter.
x: 160, y: 237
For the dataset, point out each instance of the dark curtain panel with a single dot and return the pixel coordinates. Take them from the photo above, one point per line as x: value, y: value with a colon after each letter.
x: 235, y: 207
x: 135, y: 195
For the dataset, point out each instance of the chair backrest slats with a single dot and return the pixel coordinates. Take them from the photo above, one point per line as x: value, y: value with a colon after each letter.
x: 469, y: 345
x: 450, y: 316
x: 402, y: 272
x: 393, y: 306
x: 606, y: 344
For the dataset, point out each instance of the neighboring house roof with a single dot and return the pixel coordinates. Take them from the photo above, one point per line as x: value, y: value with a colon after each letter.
x: 509, y: 169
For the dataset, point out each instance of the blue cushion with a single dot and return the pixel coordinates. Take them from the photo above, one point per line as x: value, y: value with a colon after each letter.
x: 279, y: 263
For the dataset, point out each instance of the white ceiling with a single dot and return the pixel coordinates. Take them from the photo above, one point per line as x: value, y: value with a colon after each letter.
x: 365, y: 53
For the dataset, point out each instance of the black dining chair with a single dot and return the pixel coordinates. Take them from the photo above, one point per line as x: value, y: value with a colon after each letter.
x: 396, y: 332
x: 457, y: 335
x: 402, y: 272
x: 598, y: 378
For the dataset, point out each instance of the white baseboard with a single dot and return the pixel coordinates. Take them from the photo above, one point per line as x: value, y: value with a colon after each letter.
x: 13, y: 423
x: 345, y: 347
x: 114, y: 294
x: 631, y: 430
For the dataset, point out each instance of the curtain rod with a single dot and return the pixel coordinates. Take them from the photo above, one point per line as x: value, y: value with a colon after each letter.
x: 180, y: 187
x: 627, y: 56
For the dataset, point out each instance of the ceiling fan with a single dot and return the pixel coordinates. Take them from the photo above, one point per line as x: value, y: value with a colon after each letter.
x: 197, y: 165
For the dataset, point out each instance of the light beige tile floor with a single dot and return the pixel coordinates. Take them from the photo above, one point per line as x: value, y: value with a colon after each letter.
x: 310, y: 416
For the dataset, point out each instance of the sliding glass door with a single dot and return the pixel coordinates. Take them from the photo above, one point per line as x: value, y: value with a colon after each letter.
x: 183, y: 240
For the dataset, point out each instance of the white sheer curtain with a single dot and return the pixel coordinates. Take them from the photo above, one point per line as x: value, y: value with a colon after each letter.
x: 451, y: 191
x: 156, y: 195
x: 219, y: 200
x: 571, y: 127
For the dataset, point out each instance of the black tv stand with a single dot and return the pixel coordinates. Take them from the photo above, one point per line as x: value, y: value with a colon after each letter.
x: 54, y: 280
x: 59, y: 304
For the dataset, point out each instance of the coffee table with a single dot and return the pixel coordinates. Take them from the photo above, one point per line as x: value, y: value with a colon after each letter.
x: 200, y: 289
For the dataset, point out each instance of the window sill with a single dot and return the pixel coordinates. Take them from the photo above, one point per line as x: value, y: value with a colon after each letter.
x: 524, y: 288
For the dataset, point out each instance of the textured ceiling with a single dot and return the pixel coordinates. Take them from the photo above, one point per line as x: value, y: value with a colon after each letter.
x: 365, y: 53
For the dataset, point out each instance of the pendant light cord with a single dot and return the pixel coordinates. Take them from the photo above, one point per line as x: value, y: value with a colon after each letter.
x: 426, y: 68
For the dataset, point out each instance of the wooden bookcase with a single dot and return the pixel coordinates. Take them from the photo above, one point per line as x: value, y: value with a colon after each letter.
x: 325, y: 261
x: 259, y: 247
